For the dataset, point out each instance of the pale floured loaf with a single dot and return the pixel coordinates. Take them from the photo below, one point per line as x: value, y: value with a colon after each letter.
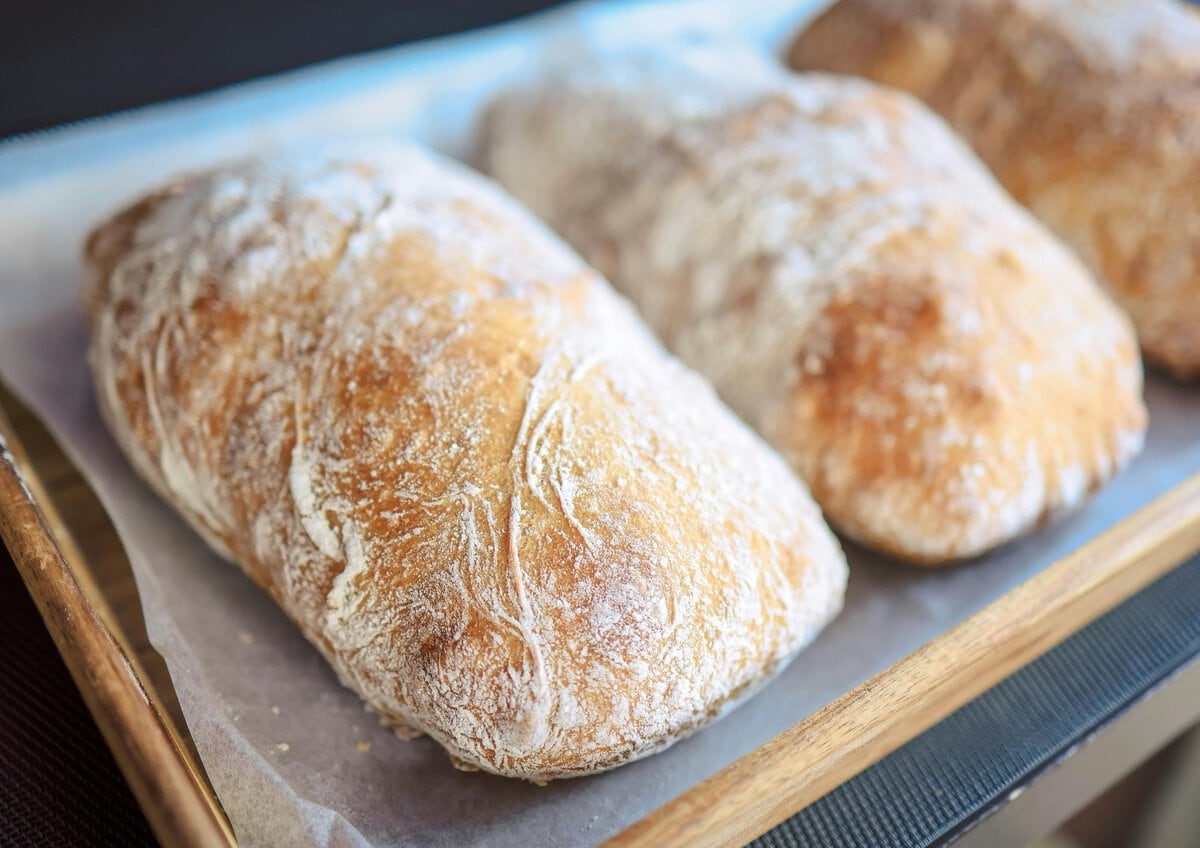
x: 1088, y: 111
x: 453, y: 455
x: 939, y: 369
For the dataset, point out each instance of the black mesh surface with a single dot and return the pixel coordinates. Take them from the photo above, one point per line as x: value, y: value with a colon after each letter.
x: 943, y: 779
x: 59, y: 785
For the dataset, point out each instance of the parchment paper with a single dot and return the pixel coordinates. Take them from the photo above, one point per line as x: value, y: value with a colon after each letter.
x: 293, y: 756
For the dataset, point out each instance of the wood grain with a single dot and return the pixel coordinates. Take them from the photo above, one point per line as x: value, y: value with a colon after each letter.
x: 90, y: 607
x: 809, y: 759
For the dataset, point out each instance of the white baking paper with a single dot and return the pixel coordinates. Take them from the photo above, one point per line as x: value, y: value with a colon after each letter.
x: 293, y: 756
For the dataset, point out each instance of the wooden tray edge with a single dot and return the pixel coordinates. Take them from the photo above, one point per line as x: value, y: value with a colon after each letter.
x: 180, y: 807
x: 786, y: 774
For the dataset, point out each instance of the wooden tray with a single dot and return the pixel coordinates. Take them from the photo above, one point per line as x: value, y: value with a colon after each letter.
x: 87, y: 596
x: 88, y: 599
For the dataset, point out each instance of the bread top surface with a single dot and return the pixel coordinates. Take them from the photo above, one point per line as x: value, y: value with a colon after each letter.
x: 453, y: 455
x: 939, y: 369
x: 1088, y: 111
x: 1118, y: 40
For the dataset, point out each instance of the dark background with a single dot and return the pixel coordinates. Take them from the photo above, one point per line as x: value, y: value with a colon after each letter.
x: 62, y: 60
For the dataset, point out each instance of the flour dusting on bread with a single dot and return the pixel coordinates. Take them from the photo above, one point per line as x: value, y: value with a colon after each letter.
x: 937, y: 367
x: 453, y: 455
x: 1088, y: 111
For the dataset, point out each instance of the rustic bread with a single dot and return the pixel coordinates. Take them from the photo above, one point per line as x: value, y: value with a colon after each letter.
x: 939, y: 369
x: 453, y: 455
x: 1088, y: 111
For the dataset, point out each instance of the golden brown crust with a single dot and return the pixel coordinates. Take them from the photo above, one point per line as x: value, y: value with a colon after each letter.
x: 936, y: 366
x: 453, y: 456
x: 1088, y: 111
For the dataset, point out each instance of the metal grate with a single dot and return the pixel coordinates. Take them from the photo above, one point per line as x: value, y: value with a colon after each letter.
x: 941, y: 780
x: 59, y: 785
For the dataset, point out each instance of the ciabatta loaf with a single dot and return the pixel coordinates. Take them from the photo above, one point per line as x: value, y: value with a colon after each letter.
x: 453, y: 455
x: 939, y: 369
x: 1088, y: 111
